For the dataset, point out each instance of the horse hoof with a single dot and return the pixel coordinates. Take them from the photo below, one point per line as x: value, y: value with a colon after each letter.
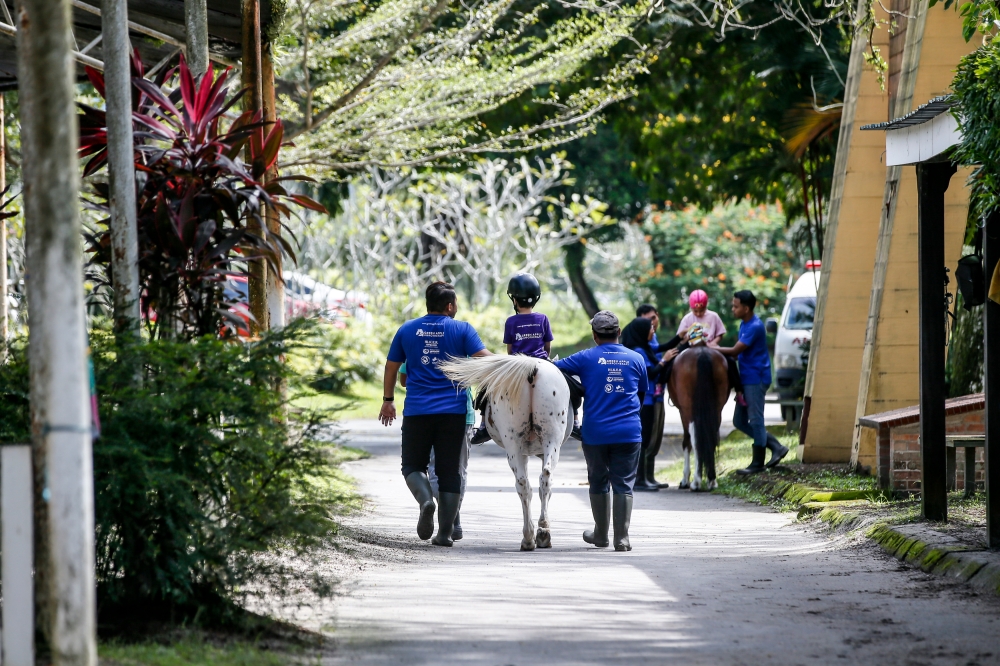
x: 683, y: 486
x: 543, y: 539
x: 713, y: 484
x: 527, y: 546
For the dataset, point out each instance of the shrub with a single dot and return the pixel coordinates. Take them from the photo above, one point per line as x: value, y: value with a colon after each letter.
x: 202, y: 475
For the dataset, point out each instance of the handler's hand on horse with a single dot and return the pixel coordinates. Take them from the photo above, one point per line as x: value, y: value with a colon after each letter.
x: 388, y: 413
x: 669, y: 354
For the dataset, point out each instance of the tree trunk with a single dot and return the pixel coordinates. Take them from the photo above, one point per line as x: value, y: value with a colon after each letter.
x: 257, y: 278
x: 196, y: 27
x: 275, y: 285
x: 575, y: 256
x: 4, y: 288
x: 60, y: 413
x: 121, y: 165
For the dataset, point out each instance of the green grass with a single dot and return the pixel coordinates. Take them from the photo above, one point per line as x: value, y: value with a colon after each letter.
x: 363, y: 401
x: 191, y: 651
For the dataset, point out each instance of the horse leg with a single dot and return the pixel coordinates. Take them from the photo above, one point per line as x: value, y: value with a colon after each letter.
x: 519, y: 464
x: 549, y: 460
x: 696, y: 481
x: 686, y: 446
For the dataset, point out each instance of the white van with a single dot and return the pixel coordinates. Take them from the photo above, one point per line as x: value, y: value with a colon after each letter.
x: 794, y: 332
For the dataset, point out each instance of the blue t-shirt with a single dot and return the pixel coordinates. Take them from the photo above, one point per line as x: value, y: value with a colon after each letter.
x: 470, y: 410
x: 755, y: 363
x: 425, y: 342
x: 612, y: 377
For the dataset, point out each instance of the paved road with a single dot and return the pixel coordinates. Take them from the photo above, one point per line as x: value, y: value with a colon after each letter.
x: 711, y: 580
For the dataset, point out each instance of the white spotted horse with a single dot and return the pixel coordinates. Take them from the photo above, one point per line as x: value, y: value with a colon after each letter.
x: 528, y: 415
x: 699, y: 386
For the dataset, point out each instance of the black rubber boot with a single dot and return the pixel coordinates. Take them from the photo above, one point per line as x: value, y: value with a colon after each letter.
x: 420, y: 486
x: 600, y: 506
x: 622, y: 513
x: 447, y: 512
x: 456, y: 532
x: 778, y: 451
x: 758, y: 461
x: 643, y: 483
x: 481, y: 436
x: 651, y: 472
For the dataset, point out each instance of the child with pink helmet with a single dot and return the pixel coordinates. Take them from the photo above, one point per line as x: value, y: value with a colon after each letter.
x: 713, y: 329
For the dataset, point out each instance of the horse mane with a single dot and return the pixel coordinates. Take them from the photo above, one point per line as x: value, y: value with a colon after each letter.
x: 496, y: 375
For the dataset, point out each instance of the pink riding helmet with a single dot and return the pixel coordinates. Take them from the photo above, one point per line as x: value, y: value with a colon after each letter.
x: 698, y: 297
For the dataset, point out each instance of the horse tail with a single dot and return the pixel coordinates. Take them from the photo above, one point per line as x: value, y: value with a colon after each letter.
x: 706, y: 413
x: 494, y: 375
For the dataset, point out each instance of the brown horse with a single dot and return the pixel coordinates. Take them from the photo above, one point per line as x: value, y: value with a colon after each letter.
x: 699, y: 386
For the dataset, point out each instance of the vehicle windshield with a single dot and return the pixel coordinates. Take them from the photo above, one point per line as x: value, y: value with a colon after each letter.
x: 800, y: 314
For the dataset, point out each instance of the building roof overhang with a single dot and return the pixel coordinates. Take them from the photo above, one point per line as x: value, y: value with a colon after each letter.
x: 923, y: 135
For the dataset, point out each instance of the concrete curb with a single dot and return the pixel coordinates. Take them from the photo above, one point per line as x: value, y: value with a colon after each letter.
x: 931, y: 551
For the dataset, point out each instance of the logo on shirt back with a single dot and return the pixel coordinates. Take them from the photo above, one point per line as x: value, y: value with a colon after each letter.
x: 608, y: 388
x: 601, y: 361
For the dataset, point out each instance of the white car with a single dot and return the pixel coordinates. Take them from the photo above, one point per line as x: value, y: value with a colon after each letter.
x: 794, y: 333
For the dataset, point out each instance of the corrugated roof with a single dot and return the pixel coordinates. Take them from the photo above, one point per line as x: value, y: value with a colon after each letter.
x: 918, y: 116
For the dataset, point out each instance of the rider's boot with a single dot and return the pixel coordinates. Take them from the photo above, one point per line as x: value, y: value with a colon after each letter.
x: 576, y: 434
x: 758, y: 461
x: 600, y: 506
x: 622, y: 513
x: 778, y: 451
x: 420, y: 486
x: 642, y: 481
x: 456, y: 532
x: 651, y: 472
x: 447, y: 512
x: 482, y: 435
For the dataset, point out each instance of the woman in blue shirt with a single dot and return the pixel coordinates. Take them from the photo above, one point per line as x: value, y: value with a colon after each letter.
x: 638, y: 336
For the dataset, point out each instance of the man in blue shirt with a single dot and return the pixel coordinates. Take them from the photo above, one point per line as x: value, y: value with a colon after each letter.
x: 755, y: 372
x: 434, y: 414
x: 614, y: 384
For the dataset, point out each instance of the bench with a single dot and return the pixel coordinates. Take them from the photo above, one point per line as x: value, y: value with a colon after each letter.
x: 970, y: 443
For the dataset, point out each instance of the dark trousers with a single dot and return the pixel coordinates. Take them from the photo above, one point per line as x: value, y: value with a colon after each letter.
x: 612, y: 466
x: 442, y: 433
x: 647, y: 417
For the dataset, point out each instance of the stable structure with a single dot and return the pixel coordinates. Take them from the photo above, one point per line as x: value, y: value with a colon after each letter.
x: 865, y: 350
x: 923, y: 139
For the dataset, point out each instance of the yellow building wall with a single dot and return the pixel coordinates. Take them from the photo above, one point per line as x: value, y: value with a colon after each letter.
x: 892, y: 380
x: 848, y: 258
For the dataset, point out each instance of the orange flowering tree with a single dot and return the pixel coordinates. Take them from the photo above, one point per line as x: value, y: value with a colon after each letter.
x: 730, y: 247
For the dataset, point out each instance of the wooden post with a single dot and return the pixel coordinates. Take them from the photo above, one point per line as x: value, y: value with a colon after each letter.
x: 932, y: 181
x: 121, y: 165
x: 275, y: 287
x: 991, y: 383
x: 196, y: 28
x: 60, y: 413
x: 16, y: 515
x: 4, y: 287
x: 257, y: 280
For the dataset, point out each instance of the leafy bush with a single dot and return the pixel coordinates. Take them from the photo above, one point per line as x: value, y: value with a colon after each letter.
x: 731, y: 247
x: 202, y: 475
x: 335, y: 358
x: 977, y: 88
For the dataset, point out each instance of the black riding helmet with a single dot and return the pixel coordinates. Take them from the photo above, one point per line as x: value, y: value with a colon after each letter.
x: 523, y: 288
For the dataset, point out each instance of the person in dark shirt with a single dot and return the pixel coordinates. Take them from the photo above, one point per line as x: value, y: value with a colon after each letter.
x: 755, y: 371
x: 638, y: 336
x: 435, y: 409
x: 614, y: 383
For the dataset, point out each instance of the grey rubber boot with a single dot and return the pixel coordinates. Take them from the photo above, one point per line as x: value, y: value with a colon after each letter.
x: 600, y: 505
x: 456, y: 531
x: 447, y: 512
x: 420, y: 486
x: 622, y: 513
x: 778, y: 451
x: 758, y: 461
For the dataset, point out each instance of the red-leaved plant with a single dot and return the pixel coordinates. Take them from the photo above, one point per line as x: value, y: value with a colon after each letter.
x: 195, y: 197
